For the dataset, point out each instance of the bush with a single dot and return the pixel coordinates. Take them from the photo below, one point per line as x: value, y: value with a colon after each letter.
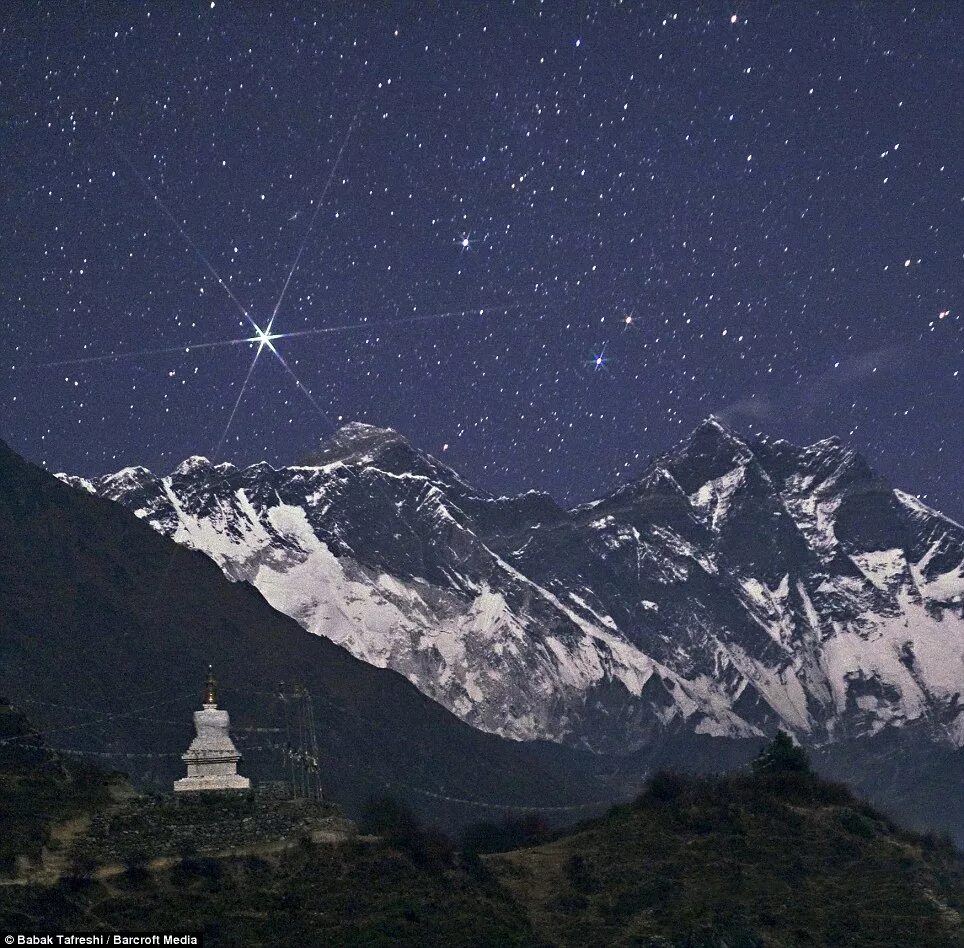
x: 782, y: 756
x: 186, y: 849
x: 833, y: 793
x: 208, y: 869
x: 643, y: 896
x: 511, y: 833
x: 429, y: 847
x: 942, y: 843
x: 579, y: 872
x: 569, y: 903
x: 474, y: 866
x: 74, y: 884
x: 256, y: 866
x: 619, y: 811
x: 136, y: 876
x: 664, y: 787
x: 136, y: 859
x: 384, y: 816
x: 722, y: 937
x: 83, y: 865
x: 857, y: 824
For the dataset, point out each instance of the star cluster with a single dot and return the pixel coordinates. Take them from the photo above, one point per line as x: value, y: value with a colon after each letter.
x: 542, y: 240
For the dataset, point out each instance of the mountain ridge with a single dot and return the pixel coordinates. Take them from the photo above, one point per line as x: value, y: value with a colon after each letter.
x: 734, y: 586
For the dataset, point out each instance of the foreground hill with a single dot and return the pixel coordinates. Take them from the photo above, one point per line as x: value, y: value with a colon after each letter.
x: 764, y: 859
x: 740, y: 861
x: 107, y: 628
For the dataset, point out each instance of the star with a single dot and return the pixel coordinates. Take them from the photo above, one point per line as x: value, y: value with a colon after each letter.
x: 599, y: 360
x: 265, y: 337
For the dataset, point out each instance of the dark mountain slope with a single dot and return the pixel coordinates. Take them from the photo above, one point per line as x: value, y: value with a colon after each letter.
x: 106, y: 628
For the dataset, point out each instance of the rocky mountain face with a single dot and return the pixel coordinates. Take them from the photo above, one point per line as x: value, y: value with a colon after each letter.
x: 737, y: 586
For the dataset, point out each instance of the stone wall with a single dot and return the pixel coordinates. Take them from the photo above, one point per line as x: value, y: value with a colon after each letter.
x: 201, y: 823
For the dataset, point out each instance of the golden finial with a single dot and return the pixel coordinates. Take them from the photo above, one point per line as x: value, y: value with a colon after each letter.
x: 210, y: 689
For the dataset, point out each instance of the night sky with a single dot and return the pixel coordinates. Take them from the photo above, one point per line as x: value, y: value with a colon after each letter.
x: 644, y: 214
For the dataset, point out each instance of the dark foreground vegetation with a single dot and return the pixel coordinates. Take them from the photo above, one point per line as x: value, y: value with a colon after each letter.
x: 771, y: 857
x: 776, y: 857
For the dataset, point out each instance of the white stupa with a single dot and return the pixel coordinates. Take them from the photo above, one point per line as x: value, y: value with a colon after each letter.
x: 212, y: 759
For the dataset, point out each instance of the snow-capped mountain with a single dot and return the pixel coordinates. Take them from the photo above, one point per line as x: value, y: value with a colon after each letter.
x: 737, y: 586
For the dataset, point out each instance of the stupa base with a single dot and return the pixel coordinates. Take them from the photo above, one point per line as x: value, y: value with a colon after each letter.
x: 215, y: 782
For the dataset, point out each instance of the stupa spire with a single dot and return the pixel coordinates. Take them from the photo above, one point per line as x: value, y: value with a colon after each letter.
x: 211, y: 689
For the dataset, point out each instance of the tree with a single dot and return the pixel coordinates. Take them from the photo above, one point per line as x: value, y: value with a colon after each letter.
x: 386, y: 816
x: 781, y: 757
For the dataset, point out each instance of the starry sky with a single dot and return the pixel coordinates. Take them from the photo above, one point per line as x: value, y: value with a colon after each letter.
x: 543, y: 240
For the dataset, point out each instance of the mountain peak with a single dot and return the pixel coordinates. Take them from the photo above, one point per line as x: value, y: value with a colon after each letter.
x: 711, y: 450
x: 191, y: 464
x: 357, y: 441
x: 361, y: 429
x: 713, y: 421
x: 675, y: 604
x: 713, y: 427
x: 831, y: 463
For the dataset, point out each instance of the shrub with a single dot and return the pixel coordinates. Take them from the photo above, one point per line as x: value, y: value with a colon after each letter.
x: 75, y: 884
x: 209, y: 869
x: 858, y: 824
x: 579, y: 872
x: 833, y: 793
x: 83, y: 865
x: 474, y: 866
x: 136, y: 876
x: 722, y: 937
x: 664, y: 787
x: 136, y: 859
x: 186, y: 848
x: 619, y: 811
x: 427, y: 847
x: 642, y: 896
x: 256, y: 866
x: 943, y: 843
x: 384, y: 816
x: 782, y: 756
x: 568, y: 903
x: 511, y: 833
